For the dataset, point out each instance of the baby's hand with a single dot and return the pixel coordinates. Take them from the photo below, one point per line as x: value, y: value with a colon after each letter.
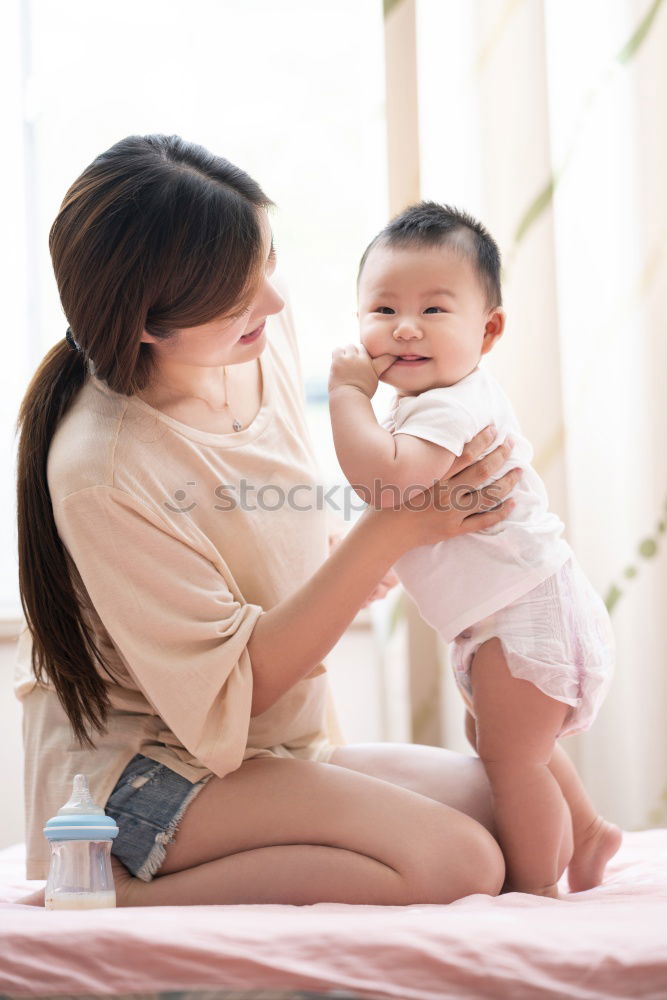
x: 353, y: 365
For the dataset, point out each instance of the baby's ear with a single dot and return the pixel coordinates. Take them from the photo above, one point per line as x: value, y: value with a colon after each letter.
x: 494, y: 328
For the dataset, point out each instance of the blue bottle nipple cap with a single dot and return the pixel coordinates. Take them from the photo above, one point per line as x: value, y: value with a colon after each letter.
x: 80, y: 818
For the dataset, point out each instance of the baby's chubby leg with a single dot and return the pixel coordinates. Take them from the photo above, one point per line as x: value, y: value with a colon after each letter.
x: 517, y: 727
x: 596, y: 841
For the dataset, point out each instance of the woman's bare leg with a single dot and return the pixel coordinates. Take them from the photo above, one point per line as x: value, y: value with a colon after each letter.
x: 282, y: 830
x: 453, y: 779
x: 298, y: 874
x: 457, y: 780
x: 289, y: 831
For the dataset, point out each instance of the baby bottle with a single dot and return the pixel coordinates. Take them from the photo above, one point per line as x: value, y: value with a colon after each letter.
x: 80, y: 835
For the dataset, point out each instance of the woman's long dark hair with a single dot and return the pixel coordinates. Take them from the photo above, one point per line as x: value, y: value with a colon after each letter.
x: 156, y: 234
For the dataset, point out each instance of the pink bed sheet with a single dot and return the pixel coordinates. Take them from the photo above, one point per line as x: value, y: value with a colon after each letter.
x: 609, y: 942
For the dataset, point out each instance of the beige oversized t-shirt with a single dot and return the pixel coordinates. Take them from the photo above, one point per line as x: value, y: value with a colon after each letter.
x: 177, y: 560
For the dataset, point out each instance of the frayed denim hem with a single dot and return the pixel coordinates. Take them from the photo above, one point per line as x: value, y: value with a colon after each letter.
x: 155, y: 859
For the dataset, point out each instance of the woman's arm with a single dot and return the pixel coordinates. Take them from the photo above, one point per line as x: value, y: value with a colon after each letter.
x: 289, y: 641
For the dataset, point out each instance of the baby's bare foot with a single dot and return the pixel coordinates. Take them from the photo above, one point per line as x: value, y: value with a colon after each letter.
x: 592, y: 850
x: 34, y: 899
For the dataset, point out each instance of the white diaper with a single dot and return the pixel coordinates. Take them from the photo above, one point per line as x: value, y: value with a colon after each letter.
x: 558, y: 636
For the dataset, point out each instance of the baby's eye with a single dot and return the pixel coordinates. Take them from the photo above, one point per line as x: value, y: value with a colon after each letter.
x: 385, y: 310
x: 433, y: 308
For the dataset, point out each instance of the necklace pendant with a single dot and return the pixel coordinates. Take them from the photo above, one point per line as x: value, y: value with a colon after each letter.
x: 237, y: 426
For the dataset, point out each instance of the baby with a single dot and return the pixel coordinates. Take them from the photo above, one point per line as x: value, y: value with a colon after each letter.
x: 532, y: 644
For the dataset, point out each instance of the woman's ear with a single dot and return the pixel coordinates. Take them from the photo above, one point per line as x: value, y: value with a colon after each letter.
x: 493, y: 329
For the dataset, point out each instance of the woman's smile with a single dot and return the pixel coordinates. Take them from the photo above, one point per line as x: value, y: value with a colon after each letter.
x: 248, y: 338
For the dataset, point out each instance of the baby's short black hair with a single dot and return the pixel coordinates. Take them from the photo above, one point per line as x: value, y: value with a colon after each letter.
x: 430, y: 224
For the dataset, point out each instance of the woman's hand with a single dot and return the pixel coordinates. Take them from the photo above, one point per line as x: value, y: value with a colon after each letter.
x: 456, y: 505
x: 388, y: 581
x: 352, y: 365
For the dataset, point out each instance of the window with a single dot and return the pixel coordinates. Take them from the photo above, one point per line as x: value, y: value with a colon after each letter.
x: 292, y: 92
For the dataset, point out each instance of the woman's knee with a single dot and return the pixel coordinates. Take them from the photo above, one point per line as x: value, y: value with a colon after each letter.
x: 483, y: 864
x: 468, y: 861
x: 490, y: 867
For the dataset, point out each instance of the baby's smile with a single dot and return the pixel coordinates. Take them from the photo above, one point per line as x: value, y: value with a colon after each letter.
x: 410, y: 359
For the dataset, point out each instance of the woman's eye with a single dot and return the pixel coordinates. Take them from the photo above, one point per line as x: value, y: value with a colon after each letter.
x: 385, y: 310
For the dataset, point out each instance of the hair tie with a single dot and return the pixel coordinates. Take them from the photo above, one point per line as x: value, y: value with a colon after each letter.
x: 69, y: 337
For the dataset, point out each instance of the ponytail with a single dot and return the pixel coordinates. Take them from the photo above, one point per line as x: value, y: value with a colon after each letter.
x: 46, y: 582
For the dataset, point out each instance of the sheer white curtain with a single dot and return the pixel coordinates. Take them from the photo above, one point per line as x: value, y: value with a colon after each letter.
x: 546, y: 118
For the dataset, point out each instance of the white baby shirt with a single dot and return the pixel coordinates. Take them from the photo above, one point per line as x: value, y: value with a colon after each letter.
x: 459, y: 581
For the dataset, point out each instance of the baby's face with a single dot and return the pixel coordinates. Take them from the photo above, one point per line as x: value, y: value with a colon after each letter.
x: 425, y: 301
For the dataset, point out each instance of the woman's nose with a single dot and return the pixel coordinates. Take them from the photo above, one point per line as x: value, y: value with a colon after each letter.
x: 273, y: 301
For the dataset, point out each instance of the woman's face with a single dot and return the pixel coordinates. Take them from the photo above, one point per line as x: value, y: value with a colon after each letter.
x: 220, y: 341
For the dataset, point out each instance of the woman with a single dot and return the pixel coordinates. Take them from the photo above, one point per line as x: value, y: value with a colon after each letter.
x: 176, y: 580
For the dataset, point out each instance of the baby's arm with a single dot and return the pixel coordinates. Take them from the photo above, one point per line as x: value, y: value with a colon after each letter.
x: 388, y: 468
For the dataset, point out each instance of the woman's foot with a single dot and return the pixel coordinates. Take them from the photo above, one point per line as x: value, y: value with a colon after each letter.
x: 592, y: 850
x: 123, y: 882
x: 34, y: 899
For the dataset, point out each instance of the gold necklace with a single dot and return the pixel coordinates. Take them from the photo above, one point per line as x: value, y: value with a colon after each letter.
x: 236, y: 424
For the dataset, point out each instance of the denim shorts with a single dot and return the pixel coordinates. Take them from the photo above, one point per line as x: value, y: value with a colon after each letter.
x: 147, y: 803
